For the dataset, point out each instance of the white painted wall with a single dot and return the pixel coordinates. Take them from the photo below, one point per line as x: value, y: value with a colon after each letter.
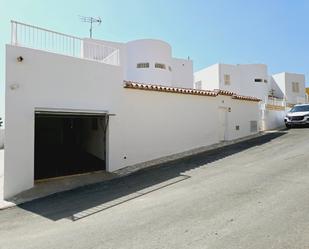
x: 182, y: 73
x: 209, y: 77
x: 241, y: 78
x: 272, y: 119
x: 53, y: 81
x: 284, y: 82
x: 1, y: 138
x: 292, y: 97
x: 147, y: 125
x: 250, y: 72
x: 278, y: 91
x: 94, y: 140
x: 160, y: 124
x: 242, y: 112
x: 149, y: 51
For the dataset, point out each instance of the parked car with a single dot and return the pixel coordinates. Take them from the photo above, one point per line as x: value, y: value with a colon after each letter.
x: 298, y: 115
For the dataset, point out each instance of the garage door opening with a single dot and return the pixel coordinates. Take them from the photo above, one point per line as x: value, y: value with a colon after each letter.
x: 69, y: 143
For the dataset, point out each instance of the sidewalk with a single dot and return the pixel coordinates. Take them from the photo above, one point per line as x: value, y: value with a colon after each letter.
x: 52, y: 186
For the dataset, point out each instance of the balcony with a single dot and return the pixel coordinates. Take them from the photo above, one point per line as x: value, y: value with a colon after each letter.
x: 25, y: 35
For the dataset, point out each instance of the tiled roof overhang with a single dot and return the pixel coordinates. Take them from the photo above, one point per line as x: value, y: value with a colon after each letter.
x: 224, y: 92
x: 168, y: 89
x: 248, y: 98
x: 159, y: 88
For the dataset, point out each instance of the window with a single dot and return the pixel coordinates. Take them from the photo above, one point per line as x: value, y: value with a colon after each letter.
x: 198, y: 85
x: 295, y: 87
x: 258, y: 80
x: 227, y: 79
x: 160, y: 65
x: 253, y: 126
x: 142, y: 65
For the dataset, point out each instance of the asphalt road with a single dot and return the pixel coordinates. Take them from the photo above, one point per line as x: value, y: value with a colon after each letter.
x: 249, y: 195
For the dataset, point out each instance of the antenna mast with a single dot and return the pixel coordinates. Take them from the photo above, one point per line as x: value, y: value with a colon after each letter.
x: 90, y: 20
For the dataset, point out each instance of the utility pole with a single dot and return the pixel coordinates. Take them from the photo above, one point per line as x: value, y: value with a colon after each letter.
x: 90, y: 20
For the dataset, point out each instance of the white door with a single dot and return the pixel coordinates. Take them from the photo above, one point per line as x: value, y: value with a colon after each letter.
x: 223, y: 112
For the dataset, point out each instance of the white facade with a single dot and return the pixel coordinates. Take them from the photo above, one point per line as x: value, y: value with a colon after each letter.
x: 146, y: 93
x: 247, y: 79
x: 252, y: 80
x: 290, y: 86
x: 151, y: 61
x: 147, y: 125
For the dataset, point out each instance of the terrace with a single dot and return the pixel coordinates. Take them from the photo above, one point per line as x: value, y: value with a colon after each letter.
x: 30, y: 36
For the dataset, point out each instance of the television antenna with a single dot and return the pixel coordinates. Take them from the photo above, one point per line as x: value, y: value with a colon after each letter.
x: 91, y: 20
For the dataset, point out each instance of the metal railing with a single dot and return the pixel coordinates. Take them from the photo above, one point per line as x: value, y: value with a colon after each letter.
x: 26, y: 35
x: 275, y: 101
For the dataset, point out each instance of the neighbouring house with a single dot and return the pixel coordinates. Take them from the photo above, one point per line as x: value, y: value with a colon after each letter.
x: 291, y: 87
x: 77, y: 105
x: 248, y: 79
x: 278, y: 93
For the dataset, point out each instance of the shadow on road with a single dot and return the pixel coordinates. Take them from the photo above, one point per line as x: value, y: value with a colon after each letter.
x: 85, y: 201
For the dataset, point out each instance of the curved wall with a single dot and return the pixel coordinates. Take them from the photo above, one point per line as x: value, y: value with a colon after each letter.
x: 152, y: 52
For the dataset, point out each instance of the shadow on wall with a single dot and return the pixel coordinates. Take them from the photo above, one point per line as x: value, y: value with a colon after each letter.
x: 1, y: 138
x: 82, y: 202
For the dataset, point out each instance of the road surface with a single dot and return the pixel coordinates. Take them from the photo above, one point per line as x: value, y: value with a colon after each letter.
x: 249, y: 195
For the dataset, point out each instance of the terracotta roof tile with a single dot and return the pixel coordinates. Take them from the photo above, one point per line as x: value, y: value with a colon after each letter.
x: 248, y: 98
x: 151, y: 87
x: 169, y: 89
x: 225, y: 92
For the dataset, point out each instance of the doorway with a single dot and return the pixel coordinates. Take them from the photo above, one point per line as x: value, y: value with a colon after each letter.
x: 69, y: 143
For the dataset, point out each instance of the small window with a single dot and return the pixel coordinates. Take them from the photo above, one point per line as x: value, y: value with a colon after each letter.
x: 253, y: 126
x: 265, y: 81
x: 160, y: 65
x: 170, y: 68
x: 258, y: 80
x: 295, y: 87
x: 142, y: 65
x: 198, y: 85
x: 227, y: 79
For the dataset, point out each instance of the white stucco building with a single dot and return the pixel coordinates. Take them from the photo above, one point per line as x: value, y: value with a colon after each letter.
x: 289, y: 86
x: 278, y: 92
x: 151, y: 61
x: 80, y: 105
x: 247, y: 79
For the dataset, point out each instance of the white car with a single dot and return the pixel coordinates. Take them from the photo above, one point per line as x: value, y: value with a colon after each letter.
x: 298, y: 115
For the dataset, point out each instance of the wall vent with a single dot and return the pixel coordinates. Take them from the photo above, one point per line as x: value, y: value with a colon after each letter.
x: 253, y: 126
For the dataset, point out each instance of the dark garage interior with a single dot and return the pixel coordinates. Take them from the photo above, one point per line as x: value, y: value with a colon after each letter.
x: 67, y: 144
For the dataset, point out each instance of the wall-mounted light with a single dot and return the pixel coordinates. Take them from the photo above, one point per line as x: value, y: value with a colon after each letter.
x: 20, y: 58
x: 14, y: 86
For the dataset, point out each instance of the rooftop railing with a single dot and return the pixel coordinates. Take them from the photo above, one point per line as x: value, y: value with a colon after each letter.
x: 26, y: 35
x: 275, y: 101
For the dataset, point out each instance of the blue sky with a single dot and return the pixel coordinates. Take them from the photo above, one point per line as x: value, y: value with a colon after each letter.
x: 274, y: 32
